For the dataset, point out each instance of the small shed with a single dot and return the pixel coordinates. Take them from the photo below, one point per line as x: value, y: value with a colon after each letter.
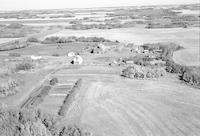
x: 77, y: 60
x: 157, y: 51
x: 36, y: 57
x: 102, y: 47
x: 71, y: 54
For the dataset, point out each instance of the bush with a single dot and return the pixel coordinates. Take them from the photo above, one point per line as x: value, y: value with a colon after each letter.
x: 53, y: 81
x: 25, y: 66
x: 15, y: 25
x: 172, y: 67
x: 191, y: 76
x: 143, y: 60
x: 68, y: 99
x: 55, y: 55
x: 14, y: 54
x: 32, y: 39
x: 36, y: 100
x: 56, y: 39
x: 8, y: 86
x: 29, y: 122
x: 140, y: 72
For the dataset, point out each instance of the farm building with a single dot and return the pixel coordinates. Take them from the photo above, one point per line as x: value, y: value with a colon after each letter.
x: 77, y: 60
x: 71, y: 54
x: 157, y: 51
x: 103, y: 47
x: 139, y: 49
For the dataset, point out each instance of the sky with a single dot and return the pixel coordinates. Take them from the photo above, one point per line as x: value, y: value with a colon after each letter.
x: 58, y: 4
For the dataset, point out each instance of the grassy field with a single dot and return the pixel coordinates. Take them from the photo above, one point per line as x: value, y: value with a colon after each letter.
x: 110, y: 106
x: 106, y: 104
x: 5, y: 40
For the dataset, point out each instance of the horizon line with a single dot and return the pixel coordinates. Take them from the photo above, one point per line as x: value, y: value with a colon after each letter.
x: 96, y: 7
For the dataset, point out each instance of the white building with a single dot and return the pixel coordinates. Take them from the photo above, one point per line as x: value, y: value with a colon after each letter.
x: 77, y: 60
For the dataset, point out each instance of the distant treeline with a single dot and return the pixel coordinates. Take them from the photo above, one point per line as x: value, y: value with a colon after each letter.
x: 107, y: 25
x: 56, y: 39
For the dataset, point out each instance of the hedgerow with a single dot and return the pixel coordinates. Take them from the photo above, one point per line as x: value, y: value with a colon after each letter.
x: 68, y: 99
x: 140, y: 72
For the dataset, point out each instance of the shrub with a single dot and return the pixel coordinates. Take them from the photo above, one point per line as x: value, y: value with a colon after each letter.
x: 56, y: 39
x: 29, y: 122
x: 143, y: 72
x: 191, y: 76
x: 70, y: 131
x: 8, y: 86
x: 172, y: 67
x: 25, y: 66
x: 12, y: 45
x: 14, y: 54
x: 15, y: 25
x: 68, y: 99
x: 143, y: 60
x: 55, y: 55
x: 53, y: 81
x: 36, y: 100
x: 32, y: 39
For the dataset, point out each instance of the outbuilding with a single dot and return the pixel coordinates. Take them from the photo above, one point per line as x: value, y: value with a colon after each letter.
x: 77, y: 60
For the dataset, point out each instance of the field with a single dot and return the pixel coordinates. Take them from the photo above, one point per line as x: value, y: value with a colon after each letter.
x: 110, y: 106
x: 108, y: 40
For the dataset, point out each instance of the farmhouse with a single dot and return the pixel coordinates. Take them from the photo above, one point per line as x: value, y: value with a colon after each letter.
x: 77, y: 60
x: 157, y: 51
x: 102, y: 47
x: 139, y: 49
x: 71, y: 54
x: 145, y: 51
x: 129, y: 62
x: 35, y: 57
